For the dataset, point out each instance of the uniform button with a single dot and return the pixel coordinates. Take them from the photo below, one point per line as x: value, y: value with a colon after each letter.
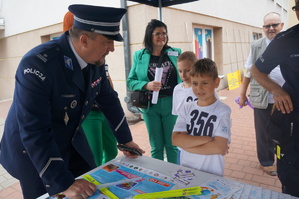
x: 48, y: 185
x: 97, y: 93
x: 83, y: 116
x: 77, y: 129
x: 24, y: 152
x: 86, y: 103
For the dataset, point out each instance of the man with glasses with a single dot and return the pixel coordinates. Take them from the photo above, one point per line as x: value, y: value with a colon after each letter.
x: 284, y: 50
x: 260, y: 98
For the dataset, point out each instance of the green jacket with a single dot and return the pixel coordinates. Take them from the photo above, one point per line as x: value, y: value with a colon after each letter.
x: 138, y: 76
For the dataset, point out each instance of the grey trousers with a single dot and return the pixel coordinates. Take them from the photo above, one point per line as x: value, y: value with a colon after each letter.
x: 264, y: 143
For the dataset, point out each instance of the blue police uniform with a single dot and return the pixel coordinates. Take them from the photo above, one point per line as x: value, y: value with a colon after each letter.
x: 284, y: 51
x: 43, y: 144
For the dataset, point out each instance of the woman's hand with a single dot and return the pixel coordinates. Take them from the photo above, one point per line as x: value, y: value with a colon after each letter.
x: 153, y: 86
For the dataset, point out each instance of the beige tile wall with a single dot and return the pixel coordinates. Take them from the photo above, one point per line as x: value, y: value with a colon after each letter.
x: 231, y: 44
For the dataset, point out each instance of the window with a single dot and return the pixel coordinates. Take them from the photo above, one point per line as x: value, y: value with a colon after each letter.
x: 256, y: 35
x: 203, y: 41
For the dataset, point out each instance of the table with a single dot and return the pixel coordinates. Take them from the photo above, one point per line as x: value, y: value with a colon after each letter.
x: 200, y: 178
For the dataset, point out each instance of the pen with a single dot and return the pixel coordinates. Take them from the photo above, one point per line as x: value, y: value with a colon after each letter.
x: 118, y: 182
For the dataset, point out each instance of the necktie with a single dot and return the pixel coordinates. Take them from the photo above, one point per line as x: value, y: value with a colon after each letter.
x: 85, y: 72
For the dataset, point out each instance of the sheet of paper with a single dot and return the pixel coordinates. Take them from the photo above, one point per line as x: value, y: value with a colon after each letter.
x: 255, y: 193
x: 237, y: 195
x: 246, y: 191
x: 266, y: 194
x: 217, y: 187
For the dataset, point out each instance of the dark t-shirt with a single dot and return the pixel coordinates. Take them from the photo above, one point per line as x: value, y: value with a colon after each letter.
x: 169, y: 77
x: 284, y: 51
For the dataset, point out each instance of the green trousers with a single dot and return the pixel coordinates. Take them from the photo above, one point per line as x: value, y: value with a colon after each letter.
x: 159, y: 123
x: 100, y: 137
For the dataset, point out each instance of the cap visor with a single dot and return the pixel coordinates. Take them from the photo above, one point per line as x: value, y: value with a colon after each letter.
x: 117, y: 37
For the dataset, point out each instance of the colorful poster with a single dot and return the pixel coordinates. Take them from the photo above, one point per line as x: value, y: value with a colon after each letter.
x: 198, y: 42
x: 208, y: 40
x: 203, y: 40
x: 116, y: 172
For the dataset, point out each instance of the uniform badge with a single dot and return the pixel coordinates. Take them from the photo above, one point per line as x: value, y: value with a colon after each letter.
x: 68, y: 62
x: 74, y: 104
x: 66, y: 118
x: 95, y: 83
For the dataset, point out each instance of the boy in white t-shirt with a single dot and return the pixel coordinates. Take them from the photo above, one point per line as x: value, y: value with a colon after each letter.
x: 202, y: 130
x: 183, y: 91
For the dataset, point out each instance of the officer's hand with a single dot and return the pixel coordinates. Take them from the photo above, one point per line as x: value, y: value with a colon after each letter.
x: 282, y: 100
x: 80, y: 189
x: 132, y: 145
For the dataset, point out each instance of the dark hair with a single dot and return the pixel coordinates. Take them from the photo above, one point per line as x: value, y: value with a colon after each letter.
x: 147, y: 42
x: 203, y: 67
x: 187, y: 55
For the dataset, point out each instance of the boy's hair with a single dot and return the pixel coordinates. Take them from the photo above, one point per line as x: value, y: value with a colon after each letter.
x: 204, y: 67
x: 187, y: 55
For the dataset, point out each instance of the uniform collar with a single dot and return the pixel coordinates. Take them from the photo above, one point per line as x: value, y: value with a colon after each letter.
x: 81, y: 62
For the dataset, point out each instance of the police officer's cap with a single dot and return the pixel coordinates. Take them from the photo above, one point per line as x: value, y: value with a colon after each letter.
x: 98, y: 19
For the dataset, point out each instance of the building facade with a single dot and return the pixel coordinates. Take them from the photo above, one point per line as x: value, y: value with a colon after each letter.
x: 220, y: 30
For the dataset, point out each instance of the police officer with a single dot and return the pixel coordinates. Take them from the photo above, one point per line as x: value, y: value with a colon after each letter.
x: 43, y: 144
x: 284, y: 50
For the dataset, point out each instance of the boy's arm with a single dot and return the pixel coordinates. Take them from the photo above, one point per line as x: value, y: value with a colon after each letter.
x: 217, y: 146
x: 184, y: 140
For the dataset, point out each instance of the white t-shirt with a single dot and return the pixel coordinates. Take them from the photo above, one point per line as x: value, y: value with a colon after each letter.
x: 180, y: 96
x: 213, y: 120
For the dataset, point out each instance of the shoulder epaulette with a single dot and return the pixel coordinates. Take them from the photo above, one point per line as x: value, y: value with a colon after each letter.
x: 49, y: 53
x: 288, y: 32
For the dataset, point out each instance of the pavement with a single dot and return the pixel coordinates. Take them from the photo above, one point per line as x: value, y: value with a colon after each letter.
x: 241, y: 163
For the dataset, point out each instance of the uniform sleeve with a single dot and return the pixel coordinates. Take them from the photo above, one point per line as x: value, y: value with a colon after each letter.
x: 109, y: 103
x: 33, y: 110
x: 274, y: 55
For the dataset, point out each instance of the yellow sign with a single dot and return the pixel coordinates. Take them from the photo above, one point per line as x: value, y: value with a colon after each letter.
x: 234, y: 80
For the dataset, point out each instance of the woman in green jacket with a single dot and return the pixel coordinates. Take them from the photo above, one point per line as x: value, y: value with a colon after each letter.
x: 158, y: 118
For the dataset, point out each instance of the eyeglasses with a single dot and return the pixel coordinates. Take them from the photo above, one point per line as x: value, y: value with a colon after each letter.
x: 159, y: 34
x: 269, y: 26
x: 295, y: 8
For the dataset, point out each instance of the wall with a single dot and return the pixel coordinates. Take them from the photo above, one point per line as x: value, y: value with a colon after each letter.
x: 292, y: 15
x: 232, y: 34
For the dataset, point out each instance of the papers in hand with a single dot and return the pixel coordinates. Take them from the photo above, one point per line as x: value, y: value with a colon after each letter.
x: 158, y: 77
